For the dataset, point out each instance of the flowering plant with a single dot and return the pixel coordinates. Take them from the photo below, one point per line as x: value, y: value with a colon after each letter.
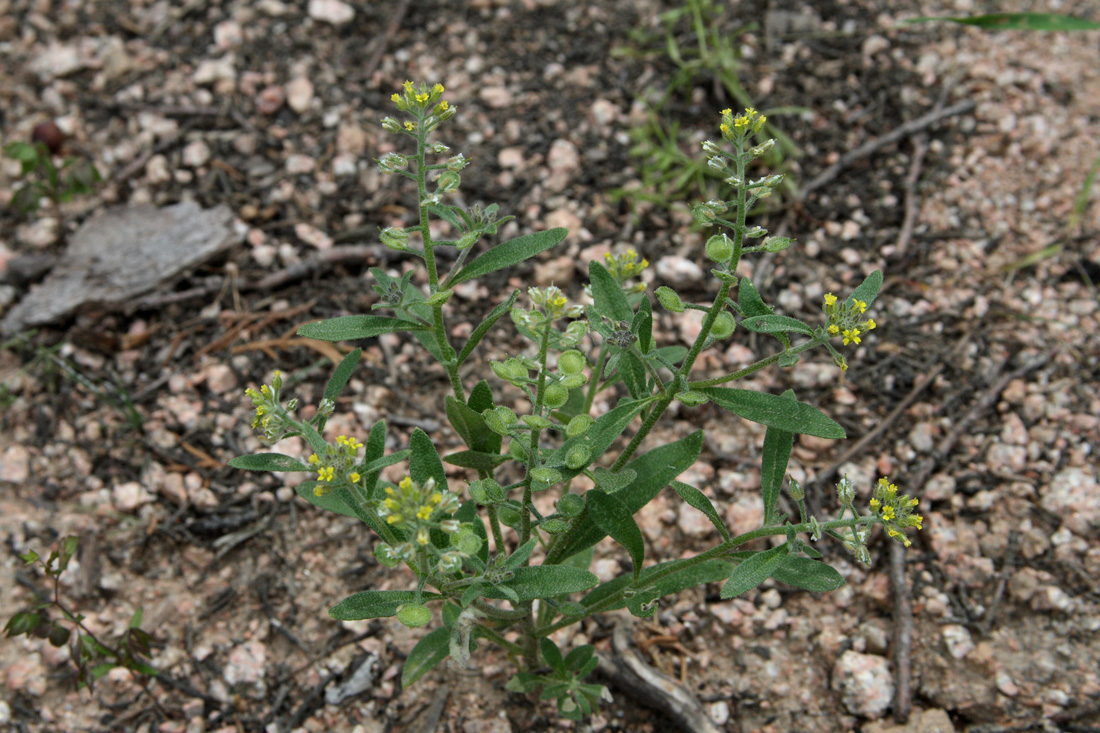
x: 481, y: 550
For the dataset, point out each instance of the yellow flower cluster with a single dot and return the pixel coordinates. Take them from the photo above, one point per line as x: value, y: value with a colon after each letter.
x: 336, y: 463
x: 625, y: 266
x: 844, y: 319
x: 895, y: 511
x: 419, y: 508
x: 271, y: 416
x: 740, y: 127
x: 554, y: 303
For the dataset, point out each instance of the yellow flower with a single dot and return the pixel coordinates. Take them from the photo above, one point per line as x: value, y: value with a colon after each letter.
x: 834, y: 330
x: 851, y: 335
x: 830, y: 299
x: 424, y: 512
x: 325, y: 473
x: 314, y: 459
x: 353, y: 477
x: 405, y: 483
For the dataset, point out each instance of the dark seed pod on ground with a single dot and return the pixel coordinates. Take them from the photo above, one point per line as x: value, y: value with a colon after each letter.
x: 50, y: 135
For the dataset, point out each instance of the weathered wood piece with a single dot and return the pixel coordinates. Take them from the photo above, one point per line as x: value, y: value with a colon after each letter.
x: 124, y: 253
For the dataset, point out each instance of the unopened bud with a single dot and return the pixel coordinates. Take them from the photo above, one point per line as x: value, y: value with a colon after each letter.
x: 395, y: 238
x: 668, y: 299
x: 777, y: 244
x: 762, y: 148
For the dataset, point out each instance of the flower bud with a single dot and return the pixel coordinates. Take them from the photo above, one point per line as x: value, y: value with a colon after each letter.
x: 797, y: 492
x: 719, y: 248
x: 571, y: 362
x: 777, y: 244
x: 668, y: 298
x: 723, y: 325
x: 395, y: 239
x: 702, y: 214
x: 846, y: 491
x: 414, y: 615
x: 448, y: 181
x: 711, y: 148
x: 579, y: 425
x: 450, y: 562
x: 389, y: 124
x: 762, y: 148
x: 755, y: 232
x: 467, y: 240
x: 387, y: 555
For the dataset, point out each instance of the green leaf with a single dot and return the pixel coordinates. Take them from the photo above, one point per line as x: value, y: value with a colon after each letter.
x: 135, y: 619
x: 424, y: 462
x: 376, y: 604
x: 68, y: 549
x: 340, y: 377
x: 643, y: 325
x: 23, y: 622
x: 316, y: 442
x: 633, y: 374
x: 521, y: 554
x: 468, y: 513
x: 697, y: 499
x: 775, y: 411
x: 654, y: 471
x: 268, y: 462
x: 481, y: 397
x: 776, y: 324
x: 483, y: 328
x: 811, y: 575
x: 615, y: 520
x: 544, y: 581
x: 754, y: 571
x: 552, y: 655
x: 750, y: 301
x: 710, y: 571
x: 428, y: 652
x: 868, y: 289
x: 1018, y: 22
x: 470, y: 426
x: 21, y: 151
x: 351, y: 328
x: 375, y: 448
x: 773, y: 464
x: 508, y: 253
x: 477, y: 460
x: 607, y: 295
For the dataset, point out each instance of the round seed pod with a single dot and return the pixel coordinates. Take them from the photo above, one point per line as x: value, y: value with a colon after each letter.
x: 723, y: 325
x: 414, y: 615
x: 719, y: 248
x: 50, y: 135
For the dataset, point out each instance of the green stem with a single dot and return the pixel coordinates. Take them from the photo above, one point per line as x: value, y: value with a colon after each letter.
x: 536, y: 433
x: 755, y: 367
x: 597, y: 375
x: 493, y: 636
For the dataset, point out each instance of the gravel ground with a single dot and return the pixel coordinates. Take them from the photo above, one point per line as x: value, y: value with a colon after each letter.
x: 973, y: 393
